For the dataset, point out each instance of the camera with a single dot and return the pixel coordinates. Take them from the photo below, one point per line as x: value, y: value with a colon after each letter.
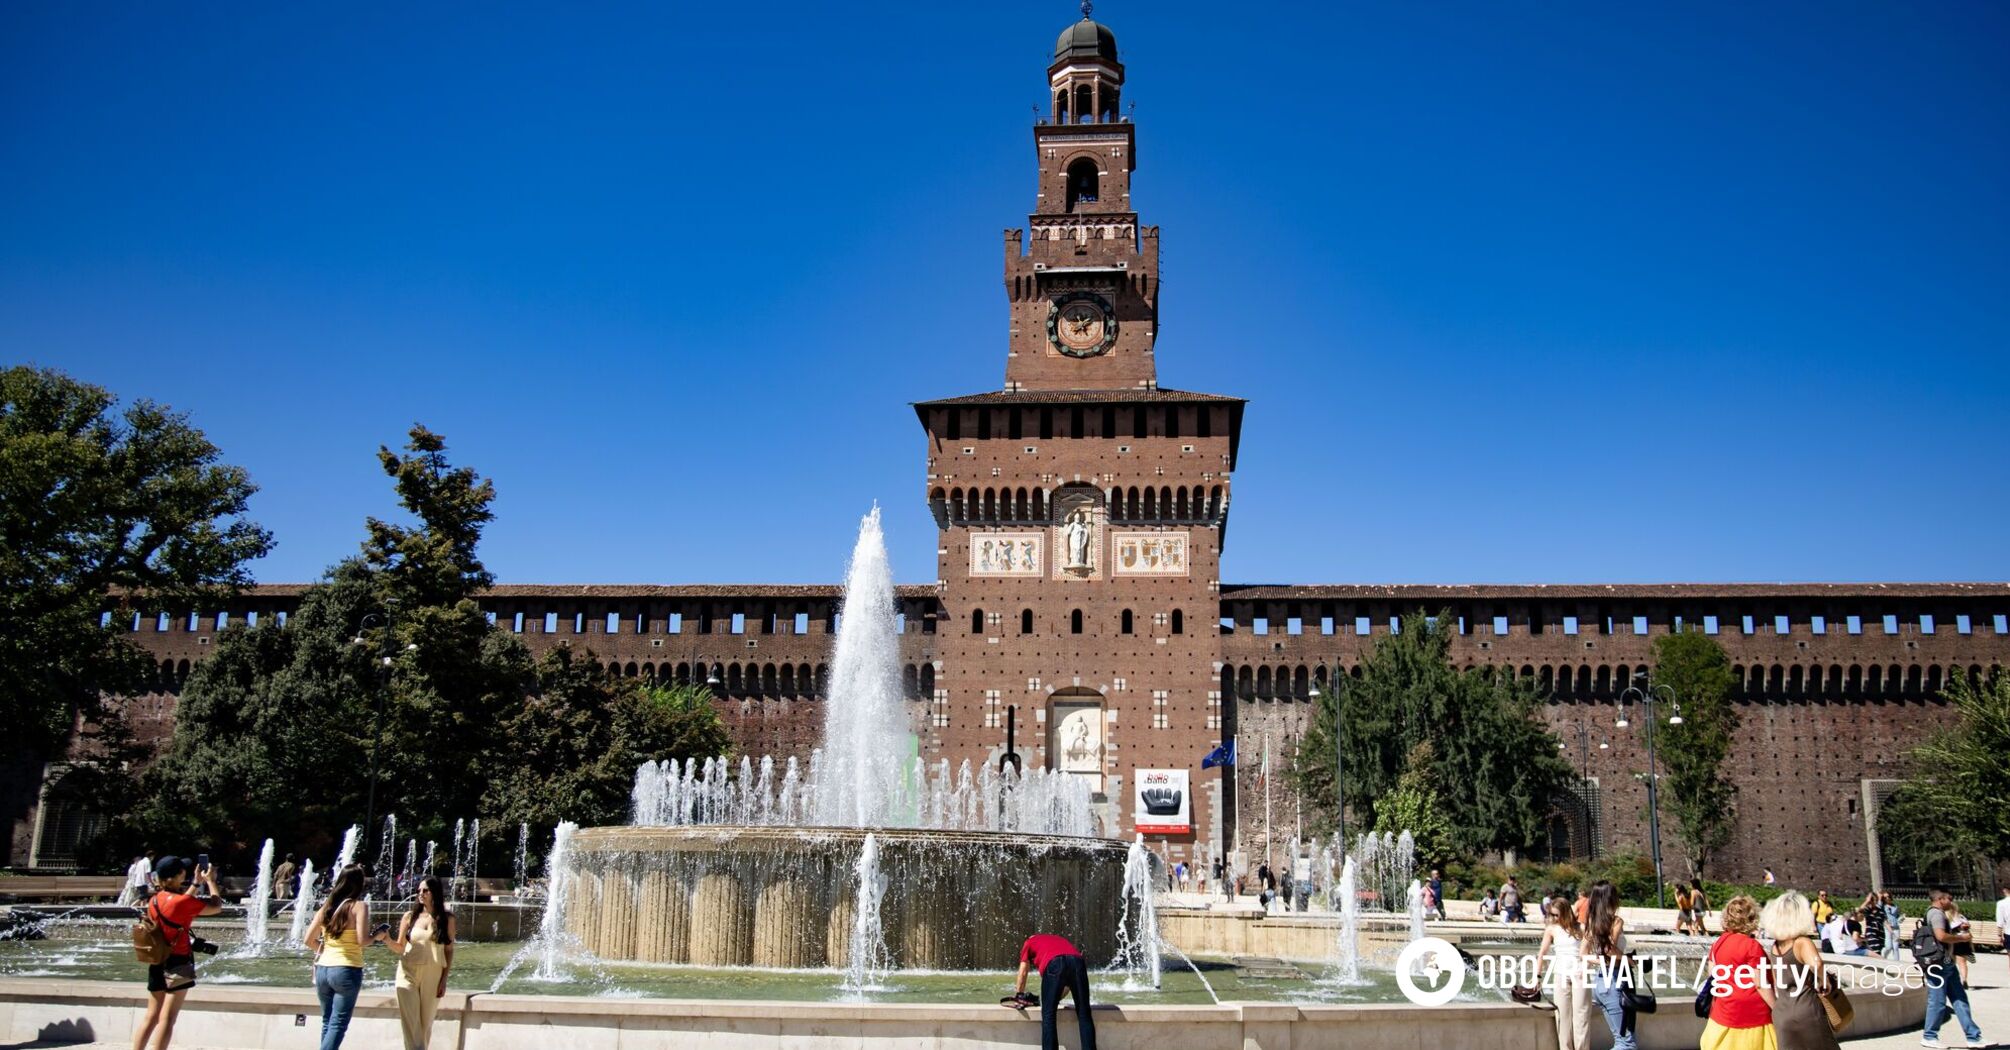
x: 200, y: 945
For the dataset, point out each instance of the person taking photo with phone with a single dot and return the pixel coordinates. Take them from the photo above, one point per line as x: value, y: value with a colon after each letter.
x: 337, y: 938
x: 173, y: 910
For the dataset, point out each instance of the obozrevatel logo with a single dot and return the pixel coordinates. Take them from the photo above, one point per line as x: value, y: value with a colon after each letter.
x: 1430, y: 971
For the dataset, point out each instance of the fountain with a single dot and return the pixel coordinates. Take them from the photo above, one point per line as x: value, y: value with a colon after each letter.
x: 258, y: 910
x: 1347, y: 946
x: 347, y: 854
x: 303, y: 905
x: 866, y: 860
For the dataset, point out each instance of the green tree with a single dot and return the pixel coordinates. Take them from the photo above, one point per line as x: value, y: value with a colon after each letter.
x: 1953, y: 812
x: 1414, y: 806
x: 274, y: 731
x: 577, y: 740
x: 1493, y: 761
x: 1698, y: 795
x: 98, y: 506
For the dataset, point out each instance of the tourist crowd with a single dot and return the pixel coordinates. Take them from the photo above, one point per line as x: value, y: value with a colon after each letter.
x: 1769, y: 987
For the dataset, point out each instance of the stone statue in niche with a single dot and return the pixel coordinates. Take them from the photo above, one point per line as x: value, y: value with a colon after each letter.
x: 1076, y: 534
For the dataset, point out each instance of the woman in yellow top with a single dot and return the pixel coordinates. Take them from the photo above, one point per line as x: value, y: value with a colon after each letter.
x: 425, y: 947
x: 337, y: 938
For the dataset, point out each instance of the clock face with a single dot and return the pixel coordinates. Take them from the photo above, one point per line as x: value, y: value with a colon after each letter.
x: 1081, y: 324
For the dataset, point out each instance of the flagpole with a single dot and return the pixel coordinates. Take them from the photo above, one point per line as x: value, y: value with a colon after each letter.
x: 1234, y: 803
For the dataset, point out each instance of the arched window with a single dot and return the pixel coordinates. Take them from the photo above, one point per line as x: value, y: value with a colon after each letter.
x: 1075, y: 622
x: 1178, y: 622
x: 1025, y: 621
x: 1084, y: 182
x: 1127, y: 621
x: 976, y: 621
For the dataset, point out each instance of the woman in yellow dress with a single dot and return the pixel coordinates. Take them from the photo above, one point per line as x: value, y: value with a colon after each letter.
x: 425, y: 947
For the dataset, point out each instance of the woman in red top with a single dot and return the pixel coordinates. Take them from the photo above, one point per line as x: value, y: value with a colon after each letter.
x: 1741, y: 993
x: 174, y: 910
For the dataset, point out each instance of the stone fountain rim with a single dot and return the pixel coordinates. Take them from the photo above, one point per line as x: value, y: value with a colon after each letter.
x: 628, y: 836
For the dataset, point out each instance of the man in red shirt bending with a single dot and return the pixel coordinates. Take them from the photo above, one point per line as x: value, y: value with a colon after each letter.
x: 1061, y: 969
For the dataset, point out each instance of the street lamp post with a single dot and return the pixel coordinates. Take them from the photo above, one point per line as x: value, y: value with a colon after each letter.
x: 1646, y: 692
x: 1584, y: 750
x: 376, y: 711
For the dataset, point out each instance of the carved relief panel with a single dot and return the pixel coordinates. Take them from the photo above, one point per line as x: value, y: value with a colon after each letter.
x: 1006, y: 553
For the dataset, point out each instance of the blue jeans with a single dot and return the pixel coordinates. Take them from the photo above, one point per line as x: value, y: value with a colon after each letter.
x: 1605, y: 992
x: 1947, y: 992
x: 338, y: 987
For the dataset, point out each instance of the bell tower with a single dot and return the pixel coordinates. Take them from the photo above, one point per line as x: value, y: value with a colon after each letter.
x: 1082, y: 280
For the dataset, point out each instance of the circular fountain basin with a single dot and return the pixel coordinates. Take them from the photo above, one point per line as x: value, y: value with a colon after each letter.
x: 727, y: 895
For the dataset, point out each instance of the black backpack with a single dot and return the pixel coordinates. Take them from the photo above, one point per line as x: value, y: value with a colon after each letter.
x: 1926, y: 948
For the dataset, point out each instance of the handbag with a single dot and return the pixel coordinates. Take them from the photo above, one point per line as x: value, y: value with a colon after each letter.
x: 1635, y: 994
x: 1706, y: 996
x: 1837, y: 1005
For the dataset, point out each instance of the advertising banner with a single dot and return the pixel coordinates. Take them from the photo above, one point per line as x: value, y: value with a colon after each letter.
x: 1163, y: 804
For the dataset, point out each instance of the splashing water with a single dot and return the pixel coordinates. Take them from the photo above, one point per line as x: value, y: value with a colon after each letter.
x: 386, y: 870
x: 869, y: 961
x: 347, y: 855
x: 521, y: 875
x: 1347, y: 947
x: 1138, y: 951
x: 257, y: 913
x: 862, y: 767
x: 303, y: 905
x: 551, y: 930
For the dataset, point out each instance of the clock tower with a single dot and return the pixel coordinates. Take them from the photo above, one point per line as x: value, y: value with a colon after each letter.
x: 1081, y: 509
x: 1083, y: 278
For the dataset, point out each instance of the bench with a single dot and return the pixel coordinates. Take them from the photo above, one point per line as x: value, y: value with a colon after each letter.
x: 60, y: 887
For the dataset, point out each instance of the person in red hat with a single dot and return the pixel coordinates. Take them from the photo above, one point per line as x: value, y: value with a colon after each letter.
x: 1061, y: 969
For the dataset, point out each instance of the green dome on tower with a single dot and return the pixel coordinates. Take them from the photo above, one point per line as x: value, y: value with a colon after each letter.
x: 1086, y: 39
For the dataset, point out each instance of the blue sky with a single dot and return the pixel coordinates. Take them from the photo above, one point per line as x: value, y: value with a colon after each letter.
x: 1518, y: 293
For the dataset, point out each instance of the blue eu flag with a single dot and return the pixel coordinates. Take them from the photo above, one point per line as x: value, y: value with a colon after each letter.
x: 1222, y: 755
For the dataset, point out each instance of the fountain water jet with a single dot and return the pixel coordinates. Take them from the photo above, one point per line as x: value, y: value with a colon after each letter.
x: 257, y: 913
x: 347, y: 854
x: 303, y: 905
x: 869, y: 960
x: 550, y: 930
